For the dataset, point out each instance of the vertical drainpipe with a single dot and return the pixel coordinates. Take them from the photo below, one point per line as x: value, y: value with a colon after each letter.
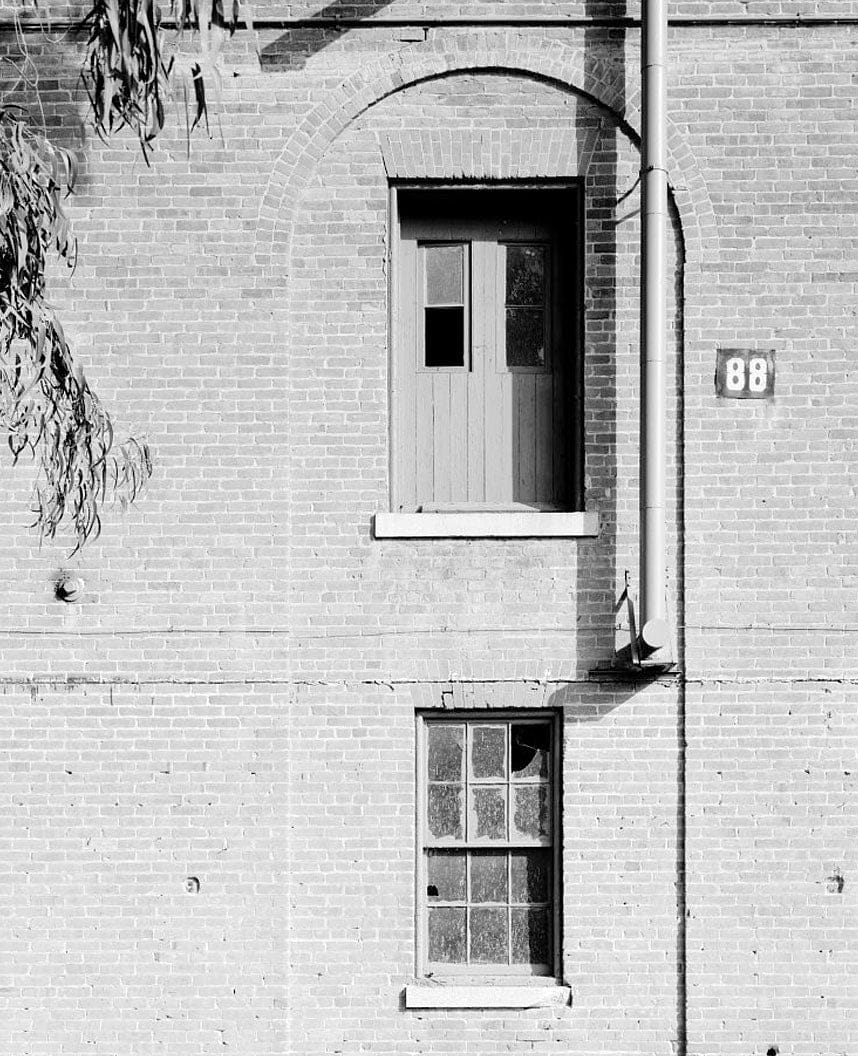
x: 655, y: 632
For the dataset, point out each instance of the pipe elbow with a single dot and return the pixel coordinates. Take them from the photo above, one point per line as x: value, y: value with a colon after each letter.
x: 655, y: 633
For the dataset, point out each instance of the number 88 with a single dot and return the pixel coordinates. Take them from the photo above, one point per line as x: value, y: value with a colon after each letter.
x: 758, y: 374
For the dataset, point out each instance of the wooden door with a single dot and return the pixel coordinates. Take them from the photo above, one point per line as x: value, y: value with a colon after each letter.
x: 482, y: 347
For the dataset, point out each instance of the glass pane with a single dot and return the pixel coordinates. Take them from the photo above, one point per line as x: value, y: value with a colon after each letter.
x: 531, y: 811
x: 531, y: 745
x: 487, y: 751
x: 445, y: 876
x: 488, y: 876
x: 525, y: 275
x: 489, y: 938
x: 525, y: 337
x: 530, y: 871
x: 530, y: 936
x: 447, y: 935
x: 444, y: 274
x: 445, y: 811
x: 446, y: 751
x: 489, y: 812
x: 444, y: 337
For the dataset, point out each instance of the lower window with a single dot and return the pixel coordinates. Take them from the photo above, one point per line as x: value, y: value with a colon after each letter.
x: 488, y: 875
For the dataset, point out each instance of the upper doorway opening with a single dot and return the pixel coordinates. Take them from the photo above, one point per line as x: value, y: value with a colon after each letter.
x: 487, y: 364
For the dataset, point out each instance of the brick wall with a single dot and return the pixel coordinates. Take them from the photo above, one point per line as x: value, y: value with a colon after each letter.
x: 234, y: 697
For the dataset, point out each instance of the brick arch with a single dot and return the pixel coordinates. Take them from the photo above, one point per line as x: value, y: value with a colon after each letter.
x: 558, y: 64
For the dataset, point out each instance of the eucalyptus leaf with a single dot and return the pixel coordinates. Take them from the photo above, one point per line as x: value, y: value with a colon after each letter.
x: 46, y: 404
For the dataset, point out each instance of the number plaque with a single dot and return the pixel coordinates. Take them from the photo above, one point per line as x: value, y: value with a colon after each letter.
x: 745, y: 374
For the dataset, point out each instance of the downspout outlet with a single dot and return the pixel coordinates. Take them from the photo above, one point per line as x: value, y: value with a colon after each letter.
x: 655, y: 634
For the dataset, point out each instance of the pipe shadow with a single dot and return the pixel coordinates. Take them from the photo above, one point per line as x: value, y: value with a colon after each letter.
x: 596, y: 581
x: 591, y: 701
x: 295, y: 47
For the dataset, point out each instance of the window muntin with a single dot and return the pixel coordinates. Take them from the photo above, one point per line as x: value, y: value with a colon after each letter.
x: 489, y: 851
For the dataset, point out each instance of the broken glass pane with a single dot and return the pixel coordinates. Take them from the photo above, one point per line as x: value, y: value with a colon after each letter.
x: 447, y: 935
x: 489, y: 812
x: 531, y: 744
x: 488, y: 876
x: 445, y: 274
x: 444, y: 337
x: 530, y: 935
x: 445, y: 811
x: 487, y: 751
x: 525, y: 337
x: 530, y: 875
x: 489, y: 938
x: 446, y: 749
x: 445, y: 876
x: 531, y: 811
x: 525, y: 275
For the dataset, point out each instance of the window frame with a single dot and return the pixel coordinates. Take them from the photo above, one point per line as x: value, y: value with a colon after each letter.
x: 502, y: 365
x: 572, y: 519
x: 467, y: 337
x: 507, y: 974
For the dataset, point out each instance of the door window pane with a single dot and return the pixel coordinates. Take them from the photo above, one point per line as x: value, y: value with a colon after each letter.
x: 525, y: 337
x: 444, y: 305
x: 444, y: 274
x: 525, y: 305
x: 444, y: 337
x: 525, y: 275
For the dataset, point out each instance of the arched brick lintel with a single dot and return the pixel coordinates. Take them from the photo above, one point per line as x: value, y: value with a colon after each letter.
x: 566, y: 67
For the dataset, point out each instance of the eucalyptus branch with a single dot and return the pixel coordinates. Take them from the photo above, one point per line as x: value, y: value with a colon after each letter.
x: 46, y: 405
x: 127, y: 73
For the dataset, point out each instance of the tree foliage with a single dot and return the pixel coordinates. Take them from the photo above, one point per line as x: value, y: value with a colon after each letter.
x: 127, y: 72
x: 46, y: 405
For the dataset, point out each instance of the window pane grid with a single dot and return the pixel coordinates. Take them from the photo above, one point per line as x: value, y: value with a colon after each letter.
x: 472, y: 948
x: 466, y: 812
x: 483, y: 917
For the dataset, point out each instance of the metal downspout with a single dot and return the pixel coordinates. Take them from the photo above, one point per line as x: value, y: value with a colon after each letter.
x: 655, y: 631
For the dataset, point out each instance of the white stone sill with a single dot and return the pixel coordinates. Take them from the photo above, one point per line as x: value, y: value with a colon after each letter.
x: 485, y: 525
x: 419, y: 995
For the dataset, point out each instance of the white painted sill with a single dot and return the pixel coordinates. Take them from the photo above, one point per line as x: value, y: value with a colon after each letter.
x: 486, y: 525
x: 420, y: 995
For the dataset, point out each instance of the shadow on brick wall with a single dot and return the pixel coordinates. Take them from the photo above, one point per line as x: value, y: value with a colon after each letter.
x: 597, y: 574
x: 43, y: 77
x: 292, y: 49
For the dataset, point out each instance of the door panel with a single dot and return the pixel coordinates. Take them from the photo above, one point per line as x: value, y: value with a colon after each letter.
x: 484, y: 434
